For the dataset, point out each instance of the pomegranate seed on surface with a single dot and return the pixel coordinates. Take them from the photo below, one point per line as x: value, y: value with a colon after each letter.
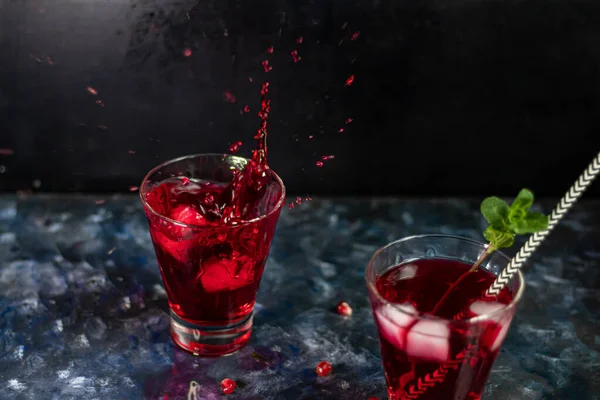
x: 344, y: 309
x: 228, y: 385
x: 323, y: 368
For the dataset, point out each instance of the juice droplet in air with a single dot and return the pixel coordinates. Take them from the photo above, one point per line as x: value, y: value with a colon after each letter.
x: 270, y: 50
x: 185, y: 181
x: 228, y: 385
x: 349, y: 120
x: 340, y: 130
x: 355, y: 35
x: 311, y: 136
x: 298, y: 200
x: 299, y: 40
x: 291, y: 206
x: 133, y: 188
x: 131, y: 151
x: 235, y: 147
x: 92, y: 91
x: 266, y: 66
x: 295, y: 56
x: 323, y: 368
x: 187, y: 52
x: 229, y: 97
x: 350, y: 80
x: 319, y: 164
x: 100, y: 103
x: 247, y: 109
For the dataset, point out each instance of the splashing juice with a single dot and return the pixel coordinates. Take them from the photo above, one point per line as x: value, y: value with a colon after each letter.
x: 212, y: 219
x: 447, y: 354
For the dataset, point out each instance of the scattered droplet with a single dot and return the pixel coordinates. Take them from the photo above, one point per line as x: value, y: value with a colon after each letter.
x: 185, y: 180
x: 291, y: 205
x: 348, y: 120
x: 103, y: 127
x: 246, y: 108
x: 131, y: 151
x: 319, y: 164
x: 299, y: 40
x: 270, y: 50
x: 323, y: 368
x: 308, y: 198
x: 266, y: 66
x: 250, y: 79
x: 36, y: 183
x: 92, y: 91
x: 6, y: 152
x: 228, y: 385
x: 229, y: 97
x: 340, y: 130
x: 187, y: 52
x: 133, y: 188
x: 49, y: 60
x: 235, y: 147
x: 350, y: 80
x: 344, y: 309
x: 355, y: 35
x: 344, y: 25
x: 100, y: 103
x: 324, y: 158
x: 298, y: 200
x: 295, y: 56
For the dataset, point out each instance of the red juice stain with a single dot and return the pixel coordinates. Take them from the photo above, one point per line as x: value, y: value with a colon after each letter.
x: 228, y: 385
x: 235, y: 147
x: 229, y: 97
x: 350, y: 80
x: 323, y: 368
x: 319, y: 164
x: 187, y: 52
x: 270, y: 50
x: 92, y: 91
x: 299, y: 40
x: 355, y: 35
x: 266, y: 66
x: 295, y: 56
x: 348, y: 120
x: 246, y: 109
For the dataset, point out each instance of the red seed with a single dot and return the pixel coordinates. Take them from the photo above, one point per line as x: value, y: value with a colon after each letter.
x: 235, y: 147
x: 228, y: 385
x: 344, y: 309
x: 350, y: 80
x: 323, y: 368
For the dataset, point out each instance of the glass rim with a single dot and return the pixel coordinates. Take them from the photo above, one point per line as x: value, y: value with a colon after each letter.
x: 419, y: 316
x: 247, y: 222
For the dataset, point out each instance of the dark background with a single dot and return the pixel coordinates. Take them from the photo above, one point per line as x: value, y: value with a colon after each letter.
x: 462, y: 97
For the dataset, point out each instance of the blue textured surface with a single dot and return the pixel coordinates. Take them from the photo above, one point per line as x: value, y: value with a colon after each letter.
x: 82, y: 309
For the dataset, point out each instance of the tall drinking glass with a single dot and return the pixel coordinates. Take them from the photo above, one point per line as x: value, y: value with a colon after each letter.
x: 211, y: 270
x: 436, y: 347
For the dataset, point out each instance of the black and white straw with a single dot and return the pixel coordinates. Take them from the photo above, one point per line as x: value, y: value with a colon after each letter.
x: 537, y: 238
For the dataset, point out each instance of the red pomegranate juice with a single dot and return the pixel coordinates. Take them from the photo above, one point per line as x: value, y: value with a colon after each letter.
x: 429, y: 358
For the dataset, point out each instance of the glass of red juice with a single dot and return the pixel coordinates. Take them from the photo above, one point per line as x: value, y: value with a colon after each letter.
x: 433, y: 349
x: 211, y: 267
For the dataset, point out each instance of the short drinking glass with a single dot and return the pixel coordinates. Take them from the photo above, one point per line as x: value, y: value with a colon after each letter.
x: 211, y: 270
x: 437, y: 347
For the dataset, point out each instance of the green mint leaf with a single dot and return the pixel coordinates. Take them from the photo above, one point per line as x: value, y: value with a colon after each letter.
x: 518, y: 209
x: 495, y: 212
x: 531, y: 223
x: 498, y: 239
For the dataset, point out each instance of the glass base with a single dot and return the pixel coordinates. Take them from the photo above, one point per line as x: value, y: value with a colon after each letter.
x: 210, y: 341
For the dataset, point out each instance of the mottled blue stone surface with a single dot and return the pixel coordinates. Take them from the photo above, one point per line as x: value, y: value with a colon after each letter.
x: 82, y: 309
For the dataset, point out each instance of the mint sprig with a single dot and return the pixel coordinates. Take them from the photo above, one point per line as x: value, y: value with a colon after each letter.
x: 505, y: 222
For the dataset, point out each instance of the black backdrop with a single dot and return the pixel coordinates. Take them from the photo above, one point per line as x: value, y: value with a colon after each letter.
x: 460, y: 97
